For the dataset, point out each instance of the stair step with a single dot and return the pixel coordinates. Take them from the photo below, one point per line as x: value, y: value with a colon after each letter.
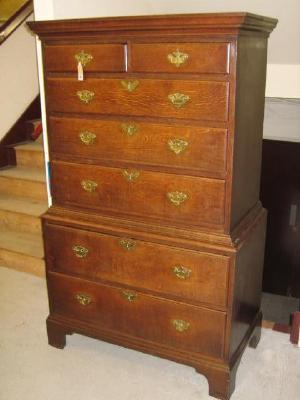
x: 23, y: 181
x: 21, y: 214
x: 22, y: 251
x: 25, y: 206
x: 30, y: 154
x: 21, y: 242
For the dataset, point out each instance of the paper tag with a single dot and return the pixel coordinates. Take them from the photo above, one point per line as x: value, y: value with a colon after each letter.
x: 80, y: 71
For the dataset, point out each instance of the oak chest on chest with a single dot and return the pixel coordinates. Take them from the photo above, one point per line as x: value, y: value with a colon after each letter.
x: 155, y: 236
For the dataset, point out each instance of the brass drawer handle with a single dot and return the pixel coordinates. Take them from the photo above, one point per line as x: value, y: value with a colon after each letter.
x: 131, y: 175
x: 127, y: 244
x: 181, y: 272
x: 180, y: 325
x: 178, y: 99
x: 80, y: 251
x: 89, y: 186
x: 177, y: 58
x: 86, y: 96
x: 130, y: 86
x: 130, y: 296
x: 83, y: 58
x: 129, y: 129
x: 177, y: 198
x: 178, y: 145
x: 83, y: 299
x: 87, y: 137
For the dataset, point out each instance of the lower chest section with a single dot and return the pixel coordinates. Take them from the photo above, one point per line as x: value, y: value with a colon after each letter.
x: 153, y: 292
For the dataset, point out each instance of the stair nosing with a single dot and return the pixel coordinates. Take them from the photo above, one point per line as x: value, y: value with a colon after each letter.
x: 23, y: 212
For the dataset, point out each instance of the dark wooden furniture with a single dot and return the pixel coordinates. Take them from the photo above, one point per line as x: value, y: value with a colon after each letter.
x: 280, y: 194
x: 155, y: 238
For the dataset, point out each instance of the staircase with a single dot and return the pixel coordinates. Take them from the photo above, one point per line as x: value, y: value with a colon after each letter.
x: 23, y: 199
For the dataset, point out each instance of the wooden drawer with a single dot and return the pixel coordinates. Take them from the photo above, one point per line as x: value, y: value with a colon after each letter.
x: 98, y: 57
x: 180, y: 57
x: 178, y: 199
x: 186, y: 147
x: 197, y: 277
x: 136, y: 314
x: 205, y: 100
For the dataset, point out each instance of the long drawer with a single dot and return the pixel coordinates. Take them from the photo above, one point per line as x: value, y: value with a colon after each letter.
x: 198, y: 148
x: 175, y: 198
x: 204, y: 100
x: 136, y: 314
x: 198, y: 277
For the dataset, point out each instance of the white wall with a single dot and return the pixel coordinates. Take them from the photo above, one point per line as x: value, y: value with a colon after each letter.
x: 282, y: 119
x: 283, y: 48
x: 44, y: 9
x: 18, y: 77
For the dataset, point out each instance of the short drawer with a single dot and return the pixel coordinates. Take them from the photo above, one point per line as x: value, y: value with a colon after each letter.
x: 201, y: 149
x: 204, y: 100
x: 197, y: 277
x: 179, y: 199
x: 98, y: 57
x: 209, y: 57
x: 133, y: 313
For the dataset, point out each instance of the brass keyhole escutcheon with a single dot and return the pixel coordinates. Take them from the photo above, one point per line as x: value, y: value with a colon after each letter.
x: 177, y: 58
x: 129, y: 129
x: 89, y: 186
x: 131, y: 175
x: 83, y: 58
x: 85, y: 96
x: 130, y: 86
x: 127, y: 244
x: 129, y: 295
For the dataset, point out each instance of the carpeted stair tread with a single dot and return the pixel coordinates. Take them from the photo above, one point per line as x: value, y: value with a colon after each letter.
x: 22, y: 243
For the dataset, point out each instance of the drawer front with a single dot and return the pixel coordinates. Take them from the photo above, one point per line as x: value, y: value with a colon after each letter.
x: 206, y: 100
x: 195, y: 276
x: 176, y: 198
x: 100, y: 57
x: 180, y: 57
x: 192, y: 147
x: 136, y: 314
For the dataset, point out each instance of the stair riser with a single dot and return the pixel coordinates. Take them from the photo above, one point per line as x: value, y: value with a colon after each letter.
x: 22, y: 262
x: 30, y: 158
x: 23, y: 188
x: 20, y: 222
